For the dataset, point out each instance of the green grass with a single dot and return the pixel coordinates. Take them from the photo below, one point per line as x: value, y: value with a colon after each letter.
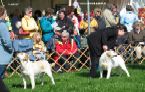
x: 80, y: 82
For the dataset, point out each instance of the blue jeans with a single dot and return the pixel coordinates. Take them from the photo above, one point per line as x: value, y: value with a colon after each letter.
x: 2, y: 70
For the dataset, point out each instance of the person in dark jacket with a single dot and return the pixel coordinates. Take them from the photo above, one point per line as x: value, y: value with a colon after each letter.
x: 100, y: 19
x: 100, y: 41
x: 3, y: 87
x: 64, y: 23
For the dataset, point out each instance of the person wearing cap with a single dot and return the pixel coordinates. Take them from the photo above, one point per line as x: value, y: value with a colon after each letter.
x: 29, y: 24
x: 65, y: 46
x: 101, y: 41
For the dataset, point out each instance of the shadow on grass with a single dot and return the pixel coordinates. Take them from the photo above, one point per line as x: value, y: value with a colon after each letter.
x: 136, y: 66
x: 83, y: 74
x: 86, y: 74
x: 28, y: 85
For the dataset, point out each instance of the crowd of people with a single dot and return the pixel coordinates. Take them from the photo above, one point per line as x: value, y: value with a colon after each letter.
x: 62, y: 32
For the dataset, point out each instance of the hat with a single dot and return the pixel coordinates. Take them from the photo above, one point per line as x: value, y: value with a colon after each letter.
x: 65, y: 33
x: 57, y: 28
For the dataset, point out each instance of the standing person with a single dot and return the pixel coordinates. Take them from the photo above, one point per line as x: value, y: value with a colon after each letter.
x: 100, y: 19
x: 3, y: 87
x: 5, y: 43
x: 14, y: 20
x: 129, y: 18
x: 109, y: 17
x: 100, y: 41
x: 29, y: 24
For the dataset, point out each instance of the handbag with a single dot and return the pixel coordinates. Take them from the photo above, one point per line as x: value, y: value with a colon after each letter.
x: 22, y: 31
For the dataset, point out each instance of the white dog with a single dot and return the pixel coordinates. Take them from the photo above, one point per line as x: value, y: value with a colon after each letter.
x: 110, y: 59
x: 31, y: 69
x: 139, y: 51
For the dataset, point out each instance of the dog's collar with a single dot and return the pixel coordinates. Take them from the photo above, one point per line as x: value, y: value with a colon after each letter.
x: 114, y: 56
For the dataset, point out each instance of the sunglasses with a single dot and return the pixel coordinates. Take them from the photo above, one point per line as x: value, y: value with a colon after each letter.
x: 64, y: 36
x: 30, y: 12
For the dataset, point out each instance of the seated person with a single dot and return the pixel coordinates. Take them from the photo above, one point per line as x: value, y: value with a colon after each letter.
x: 136, y: 37
x: 38, y: 47
x: 93, y: 24
x: 46, y: 24
x: 66, y: 47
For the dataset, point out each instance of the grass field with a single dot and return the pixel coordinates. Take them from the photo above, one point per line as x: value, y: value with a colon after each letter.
x: 80, y: 82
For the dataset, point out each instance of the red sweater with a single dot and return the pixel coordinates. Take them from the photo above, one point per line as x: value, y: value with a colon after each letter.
x: 66, y: 48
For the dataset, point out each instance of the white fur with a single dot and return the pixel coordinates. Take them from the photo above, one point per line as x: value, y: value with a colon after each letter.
x: 110, y: 59
x: 31, y: 69
x: 139, y: 51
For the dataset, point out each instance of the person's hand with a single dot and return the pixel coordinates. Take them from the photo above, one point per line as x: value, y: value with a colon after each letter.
x: 75, y: 32
x: 12, y: 35
x: 105, y: 47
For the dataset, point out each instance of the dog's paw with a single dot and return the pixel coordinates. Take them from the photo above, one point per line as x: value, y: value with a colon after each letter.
x: 100, y: 77
x: 128, y: 75
x: 53, y: 83
x: 108, y: 78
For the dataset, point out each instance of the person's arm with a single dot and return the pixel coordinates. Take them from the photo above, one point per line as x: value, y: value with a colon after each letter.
x: 5, y: 38
x: 130, y: 38
x: 26, y: 26
x: 59, y: 47
x: 104, y: 40
x: 74, y: 47
x: 106, y: 34
x: 110, y: 18
x: 122, y: 20
x: 70, y: 26
x: 35, y: 24
x: 144, y: 35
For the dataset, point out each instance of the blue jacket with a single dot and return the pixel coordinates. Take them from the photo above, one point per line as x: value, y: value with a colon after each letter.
x: 6, y: 51
x: 128, y: 19
x: 47, y: 30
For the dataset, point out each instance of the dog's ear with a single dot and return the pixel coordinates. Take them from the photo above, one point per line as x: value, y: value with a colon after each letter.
x: 26, y: 57
x: 108, y: 53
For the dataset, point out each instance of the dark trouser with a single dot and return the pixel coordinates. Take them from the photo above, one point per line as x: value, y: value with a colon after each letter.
x: 3, y: 88
x: 94, y: 59
x: 2, y: 70
x: 94, y: 66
